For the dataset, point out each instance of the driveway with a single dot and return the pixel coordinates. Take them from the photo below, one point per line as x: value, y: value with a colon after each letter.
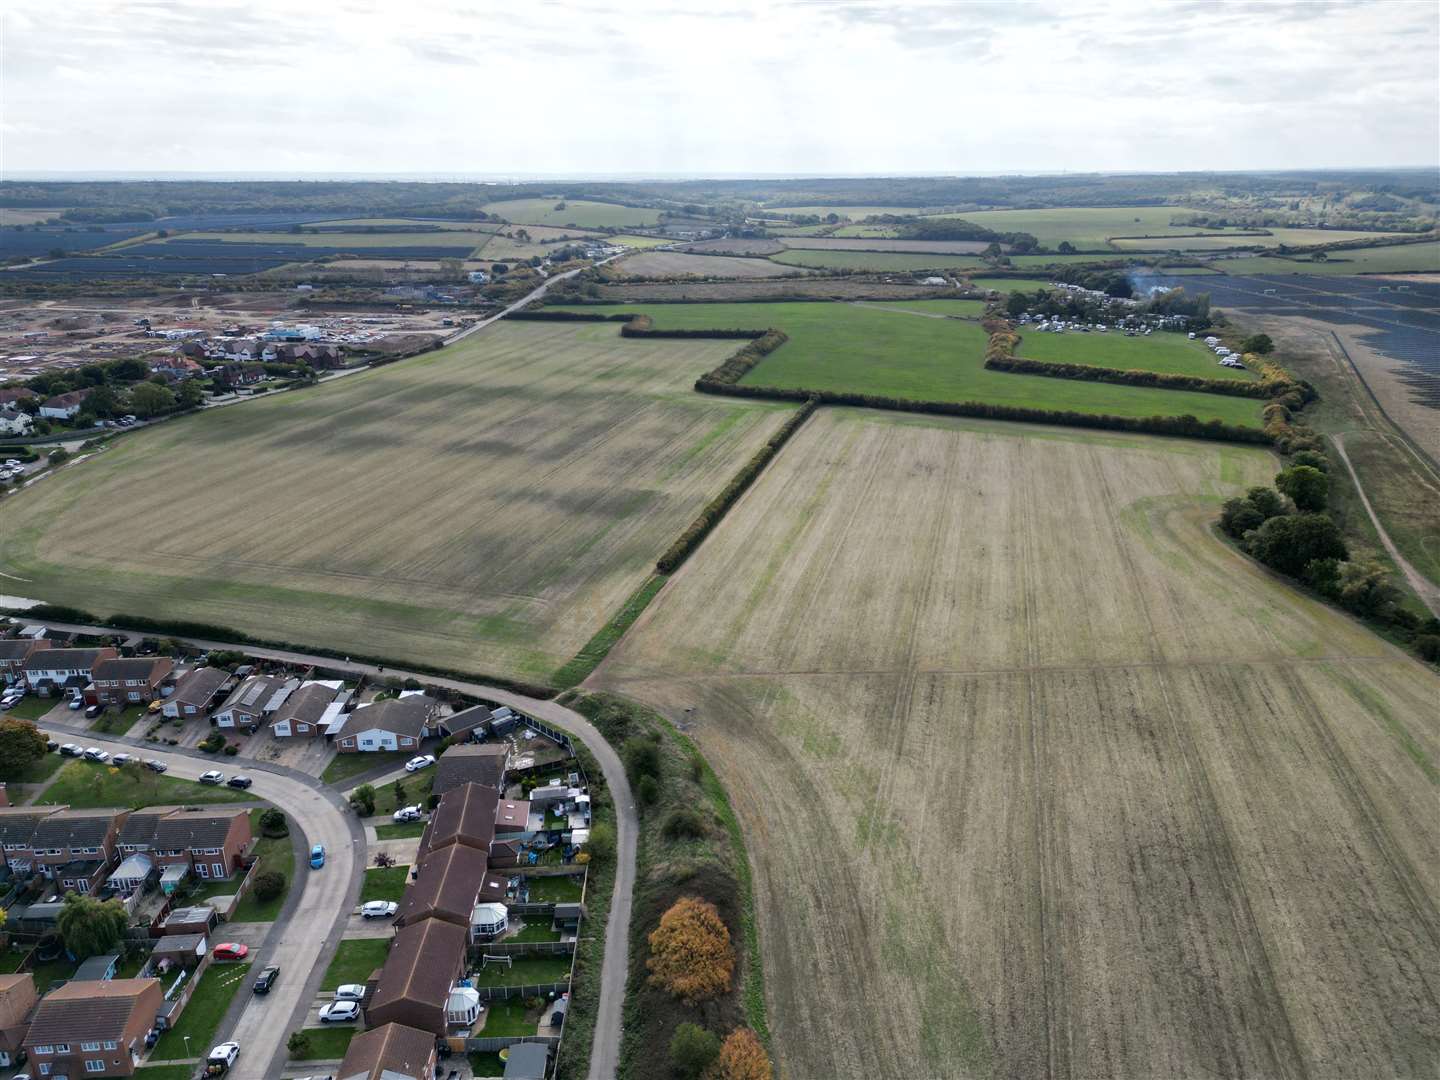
x: 303, y: 939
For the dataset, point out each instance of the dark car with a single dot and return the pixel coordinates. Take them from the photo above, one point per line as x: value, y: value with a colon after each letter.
x: 51, y: 746
x: 94, y: 711
x: 266, y: 978
x: 239, y: 781
x: 156, y: 765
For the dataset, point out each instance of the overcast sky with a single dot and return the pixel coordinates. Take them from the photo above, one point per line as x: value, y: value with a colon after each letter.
x: 834, y: 87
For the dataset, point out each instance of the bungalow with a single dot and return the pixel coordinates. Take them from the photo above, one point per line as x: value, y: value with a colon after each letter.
x: 390, y: 1052
x: 52, y: 671
x: 17, y: 1001
x: 465, y: 815
x: 471, y: 723
x: 64, y: 406
x: 14, y: 422
x: 211, y: 843
x: 250, y: 703
x: 130, y: 680
x: 194, y: 691
x: 93, y: 1029
x: 304, y: 714
x: 13, y: 654
x: 395, y: 724
x: 448, y: 884
x: 479, y: 763
x: 414, y: 987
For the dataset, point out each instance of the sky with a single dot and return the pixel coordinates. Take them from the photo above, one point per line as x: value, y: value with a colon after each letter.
x: 837, y: 87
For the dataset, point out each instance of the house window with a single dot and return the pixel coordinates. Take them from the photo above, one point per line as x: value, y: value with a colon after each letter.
x: 134, y: 695
x: 95, y: 1066
x: 219, y: 869
x: 89, y: 1047
x: 38, y: 1050
x: 44, y: 1068
x: 82, y: 886
x: 111, y: 1044
x: 203, y: 869
x: 62, y: 1048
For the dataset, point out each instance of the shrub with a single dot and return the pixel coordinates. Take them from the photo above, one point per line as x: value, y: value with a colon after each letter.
x: 1289, y: 543
x: 274, y: 823
x: 642, y: 757
x: 268, y: 885
x: 1366, y: 589
x: 1258, y: 343
x: 1239, y: 516
x: 741, y: 1058
x: 362, y: 800
x: 58, y: 456
x: 1428, y: 646
x: 684, y: 824
x: 298, y: 1044
x: 1167, y: 380
x: 690, y: 951
x: 1307, y: 487
x: 692, y: 1049
x: 648, y: 791
x: 602, y: 841
x: 1313, y: 458
x: 232, y: 749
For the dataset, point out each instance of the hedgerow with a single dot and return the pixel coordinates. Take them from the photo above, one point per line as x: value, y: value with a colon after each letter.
x: 1132, y: 377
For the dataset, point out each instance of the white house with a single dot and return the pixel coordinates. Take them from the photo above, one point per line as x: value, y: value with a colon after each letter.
x: 14, y: 422
x: 64, y: 406
x: 396, y: 724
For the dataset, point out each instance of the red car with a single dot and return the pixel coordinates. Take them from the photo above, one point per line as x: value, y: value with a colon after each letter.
x: 229, y: 950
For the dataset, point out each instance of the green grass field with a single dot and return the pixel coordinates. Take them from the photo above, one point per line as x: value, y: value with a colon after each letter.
x: 578, y: 212
x: 873, y: 260
x: 85, y: 784
x: 355, y: 959
x: 327, y: 1043
x: 1009, y: 284
x: 1392, y: 259
x: 964, y: 309
x: 874, y: 351
x: 384, y: 883
x: 118, y: 721
x: 203, y: 1012
x: 1239, y: 239
x: 485, y: 507
x: 1087, y: 227
x: 404, y: 831
x: 855, y: 213
x: 1165, y: 352
x: 626, y: 240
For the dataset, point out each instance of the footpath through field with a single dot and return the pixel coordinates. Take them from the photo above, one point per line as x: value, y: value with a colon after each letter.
x: 605, y: 1050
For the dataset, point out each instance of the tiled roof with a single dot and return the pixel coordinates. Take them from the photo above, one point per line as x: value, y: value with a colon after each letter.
x: 475, y: 764
x: 422, y: 965
x: 74, y: 828
x: 399, y: 716
x: 150, y: 668
x: 87, y: 1011
x: 199, y: 686
x: 388, y: 1052
x: 465, y: 815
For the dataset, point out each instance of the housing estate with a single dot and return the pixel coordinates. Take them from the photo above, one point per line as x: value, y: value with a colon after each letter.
x: 472, y: 763
x: 54, y: 671
x: 394, y: 724
x: 210, y: 842
x: 310, y: 710
x: 252, y: 702
x: 13, y: 654
x: 93, y: 1028
x: 195, y: 691
x: 124, y: 681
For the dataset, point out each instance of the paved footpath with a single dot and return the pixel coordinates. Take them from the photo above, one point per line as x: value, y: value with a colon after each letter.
x: 605, y: 1050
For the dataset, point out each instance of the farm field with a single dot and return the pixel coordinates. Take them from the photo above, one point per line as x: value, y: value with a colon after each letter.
x: 640, y: 242
x: 1239, y: 239
x: 830, y: 288
x: 1165, y: 352
x: 856, y: 213
x: 874, y: 260
x: 1087, y: 227
x: 577, y: 212
x: 455, y: 238
x: 872, y: 350
x: 667, y: 263
x: 1395, y: 258
x: 964, y: 309
x: 1010, y: 284
x: 485, y: 507
x: 933, y: 247
x: 1039, y: 777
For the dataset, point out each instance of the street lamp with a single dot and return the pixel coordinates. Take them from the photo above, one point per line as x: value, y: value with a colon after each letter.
x: 187, y: 1044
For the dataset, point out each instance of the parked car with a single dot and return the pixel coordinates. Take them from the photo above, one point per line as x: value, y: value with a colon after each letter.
x: 339, y: 1012
x: 223, y: 1055
x: 94, y: 753
x: 378, y: 909
x: 408, y: 813
x: 51, y: 746
x: 230, y: 950
x: 213, y: 776
x: 75, y: 703
x: 317, y: 856
x: 71, y: 749
x: 266, y: 979
x: 156, y: 705
x: 239, y: 782
x: 94, y: 711
x: 156, y: 765
x: 121, y: 759
x: 350, y: 992
x: 423, y: 761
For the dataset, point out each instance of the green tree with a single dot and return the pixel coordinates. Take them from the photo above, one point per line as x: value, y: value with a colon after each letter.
x: 692, y: 1049
x: 1239, y: 516
x: 190, y: 395
x: 58, y: 456
x: 1258, y: 343
x: 89, y: 926
x: 602, y: 841
x: 268, y: 885
x: 147, y: 399
x: 1365, y: 588
x: 1312, y: 458
x: 363, y: 800
x: 648, y: 790
x: 1266, y: 501
x: 21, y: 745
x: 1291, y: 542
x: 398, y: 788
x: 642, y: 757
x: 1065, y: 248
x: 273, y: 823
x: 298, y: 1044
x: 1308, y: 488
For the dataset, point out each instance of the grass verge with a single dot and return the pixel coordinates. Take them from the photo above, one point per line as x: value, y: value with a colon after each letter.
x: 327, y: 1042
x: 599, y: 646
x: 344, y: 766
x: 203, y: 1013
x: 403, y: 831
x: 277, y: 853
x: 384, y: 883
x: 83, y: 784
x: 354, y: 960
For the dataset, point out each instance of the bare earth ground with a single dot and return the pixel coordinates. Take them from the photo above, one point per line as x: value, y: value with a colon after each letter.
x: 831, y: 288
x: 485, y: 507
x: 662, y: 263
x: 1040, y: 778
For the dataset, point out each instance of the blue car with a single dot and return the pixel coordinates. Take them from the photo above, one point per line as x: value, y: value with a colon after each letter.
x: 317, y: 856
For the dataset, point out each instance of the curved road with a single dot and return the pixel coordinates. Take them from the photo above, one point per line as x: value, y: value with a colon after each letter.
x: 605, y: 1049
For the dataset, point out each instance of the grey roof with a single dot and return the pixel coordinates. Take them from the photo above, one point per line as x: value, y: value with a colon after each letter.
x: 199, y: 686
x: 178, y: 943
x: 17, y: 648
x: 473, y: 764
x: 466, y: 719
x: 134, y: 667
x: 253, y: 694
x: 195, y: 828
x: 96, y: 968
x: 527, y: 1061
x: 307, y: 704
x: 80, y: 1012
x: 399, y: 716
x: 17, y: 823
x: 56, y: 659
x: 200, y: 913
x: 74, y: 828
x: 139, y: 827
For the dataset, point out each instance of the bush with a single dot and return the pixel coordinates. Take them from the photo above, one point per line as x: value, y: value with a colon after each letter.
x: 741, y: 1058
x: 1166, y: 380
x: 298, y: 1044
x: 642, y: 757
x: 58, y: 456
x: 232, y: 749
x: 1307, y: 487
x: 692, y: 1049
x: 212, y: 743
x: 1428, y: 646
x: 1289, y: 543
x: 273, y: 823
x: 268, y: 885
x: 648, y: 791
x: 362, y: 800
x: 602, y: 841
x: 690, y: 951
x: 1312, y: 458
x: 684, y: 824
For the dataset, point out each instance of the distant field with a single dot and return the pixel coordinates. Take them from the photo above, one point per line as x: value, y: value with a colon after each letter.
x: 470, y: 226
x: 1165, y: 352
x: 872, y: 350
x: 1009, y: 284
x: 1401, y: 258
x: 626, y: 240
x: 579, y: 212
x: 854, y: 212
x: 964, y: 309
x: 941, y: 247
x: 486, y: 507
x: 1040, y: 778
x: 1278, y: 236
x: 447, y: 238
x: 874, y: 260
x: 1031, y: 261
x: 1083, y: 226
x: 678, y: 263
x: 13, y: 216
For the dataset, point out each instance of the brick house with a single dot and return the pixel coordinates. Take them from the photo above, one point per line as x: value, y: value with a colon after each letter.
x: 253, y: 701
x: 55, y: 671
x: 92, y: 1028
x: 395, y: 724
x: 77, y: 849
x: 129, y: 681
x: 390, y: 1052
x: 211, y: 842
x: 13, y: 654
x: 17, y: 1000
x: 194, y: 691
x: 414, y: 986
x: 466, y: 816
x: 306, y: 712
x: 17, y: 835
x: 473, y: 763
x: 448, y: 884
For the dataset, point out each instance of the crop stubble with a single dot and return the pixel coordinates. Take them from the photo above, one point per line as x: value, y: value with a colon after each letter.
x: 1039, y: 777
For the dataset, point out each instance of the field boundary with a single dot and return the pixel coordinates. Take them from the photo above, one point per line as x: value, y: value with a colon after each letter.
x: 1051, y: 369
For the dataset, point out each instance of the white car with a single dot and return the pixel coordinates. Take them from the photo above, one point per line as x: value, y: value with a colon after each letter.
x: 225, y: 1054
x: 378, y: 909
x: 94, y: 753
x: 423, y: 761
x: 213, y: 776
x: 350, y: 992
x: 408, y: 813
x: 339, y: 1012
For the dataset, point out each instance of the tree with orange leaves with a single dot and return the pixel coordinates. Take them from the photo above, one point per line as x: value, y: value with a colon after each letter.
x: 741, y: 1058
x: 690, y: 952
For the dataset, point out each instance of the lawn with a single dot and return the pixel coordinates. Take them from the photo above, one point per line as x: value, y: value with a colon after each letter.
x: 559, y: 889
x: 11, y: 959
x: 1161, y: 351
x: 355, y: 959
x: 52, y: 972
x: 874, y: 260
x: 416, y: 788
x: 83, y: 785
x: 539, y: 930
x: 508, y: 1016
x: 961, y: 309
x: 203, y: 1013
x: 402, y: 831
x: 276, y: 853
x: 567, y: 460
x: 867, y: 349
x: 327, y: 1042
x: 31, y: 707
x: 343, y: 767
x: 384, y: 883
x: 38, y: 771
x: 581, y: 213
x: 112, y: 722
x: 525, y: 971
x: 489, y: 1064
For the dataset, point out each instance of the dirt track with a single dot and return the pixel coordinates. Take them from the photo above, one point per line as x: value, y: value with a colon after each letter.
x: 1039, y: 778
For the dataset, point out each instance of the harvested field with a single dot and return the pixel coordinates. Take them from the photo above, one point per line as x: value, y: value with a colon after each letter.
x: 640, y: 242
x: 343, y: 240
x: 578, y: 212
x: 680, y: 264
x: 799, y: 286
x: 1041, y: 778
x: 1089, y: 228
x: 1171, y: 353
x: 932, y: 247
x: 486, y: 507
x: 875, y: 260
x: 736, y: 245
x: 1277, y: 236
x: 1395, y: 258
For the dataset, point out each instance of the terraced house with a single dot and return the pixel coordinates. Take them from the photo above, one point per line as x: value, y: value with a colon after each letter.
x: 74, y: 848
x: 130, y: 681
x: 211, y: 843
x: 13, y: 654
x: 92, y: 1028
x: 58, y: 671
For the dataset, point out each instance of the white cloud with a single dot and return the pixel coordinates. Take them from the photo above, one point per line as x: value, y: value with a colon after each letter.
x: 653, y: 87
